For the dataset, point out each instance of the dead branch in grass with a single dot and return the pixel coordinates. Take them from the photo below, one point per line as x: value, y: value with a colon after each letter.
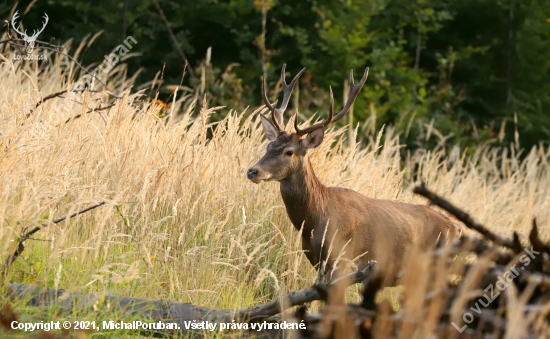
x: 21, y: 245
x: 300, y: 297
x: 60, y: 93
x: 464, y: 217
x: 56, y: 49
x: 173, y: 37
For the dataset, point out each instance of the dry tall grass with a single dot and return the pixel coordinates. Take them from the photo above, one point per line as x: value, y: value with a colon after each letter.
x: 183, y: 222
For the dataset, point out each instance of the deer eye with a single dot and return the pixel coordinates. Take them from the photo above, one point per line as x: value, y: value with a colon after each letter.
x: 289, y: 153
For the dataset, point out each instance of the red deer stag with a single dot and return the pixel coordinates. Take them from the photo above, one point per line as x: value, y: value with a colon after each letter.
x: 357, y: 226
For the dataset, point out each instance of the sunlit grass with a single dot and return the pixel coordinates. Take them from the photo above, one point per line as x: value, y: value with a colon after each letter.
x: 182, y: 222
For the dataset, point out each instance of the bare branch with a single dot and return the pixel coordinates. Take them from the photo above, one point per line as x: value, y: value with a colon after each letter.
x: 57, y: 94
x: 79, y: 65
x: 464, y: 217
x: 56, y: 50
x: 36, y: 41
x: 300, y: 297
x: 173, y: 37
x: 90, y: 111
x: 21, y: 245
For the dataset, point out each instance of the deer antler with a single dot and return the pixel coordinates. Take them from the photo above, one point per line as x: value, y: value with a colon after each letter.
x: 34, y: 35
x: 15, y: 17
x: 277, y: 114
x: 353, y: 92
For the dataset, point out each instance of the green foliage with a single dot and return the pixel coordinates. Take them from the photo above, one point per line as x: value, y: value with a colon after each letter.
x: 461, y: 67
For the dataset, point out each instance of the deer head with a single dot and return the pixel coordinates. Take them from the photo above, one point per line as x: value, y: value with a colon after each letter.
x: 285, y: 152
x: 29, y: 40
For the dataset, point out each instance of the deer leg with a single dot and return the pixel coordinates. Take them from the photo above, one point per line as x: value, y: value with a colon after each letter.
x: 308, y: 251
x: 328, y: 274
x: 331, y: 272
x: 317, y: 254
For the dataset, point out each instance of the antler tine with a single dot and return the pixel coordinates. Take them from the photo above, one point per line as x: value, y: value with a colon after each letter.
x: 319, y: 124
x: 277, y: 113
x: 287, y: 92
x: 46, y: 18
x: 353, y: 92
x: 15, y: 17
x: 270, y: 106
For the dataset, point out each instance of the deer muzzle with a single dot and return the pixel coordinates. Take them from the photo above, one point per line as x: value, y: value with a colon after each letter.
x: 256, y: 175
x: 251, y: 173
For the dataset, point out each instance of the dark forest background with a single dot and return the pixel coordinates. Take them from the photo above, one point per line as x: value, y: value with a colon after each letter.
x: 465, y: 67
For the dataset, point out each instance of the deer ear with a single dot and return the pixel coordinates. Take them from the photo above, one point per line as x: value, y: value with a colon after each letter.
x: 270, y: 131
x: 314, y: 138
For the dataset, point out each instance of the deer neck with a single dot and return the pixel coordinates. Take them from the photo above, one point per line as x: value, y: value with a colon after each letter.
x: 305, y: 197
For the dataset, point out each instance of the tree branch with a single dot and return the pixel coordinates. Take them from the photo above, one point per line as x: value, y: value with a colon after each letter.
x: 294, y: 298
x: 36, y: 41
x: 60, y: 93
x: 173, y: 37
x: 21, y: 245
x: 79, y: 65
x: 56, y: 50
x: 464, y: 217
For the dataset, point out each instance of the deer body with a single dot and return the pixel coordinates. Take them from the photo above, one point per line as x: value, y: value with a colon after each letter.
x: 337, y: 222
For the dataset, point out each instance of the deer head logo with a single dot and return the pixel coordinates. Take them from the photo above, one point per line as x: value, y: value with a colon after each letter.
x: 29, y: 40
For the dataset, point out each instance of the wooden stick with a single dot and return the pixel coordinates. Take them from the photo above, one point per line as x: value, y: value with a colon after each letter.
x: 57, y: 94
x: 464, y: 217
x: 173, y: 37
x: 56, y: 50
x: 294, y: 298
x: 21, y: 245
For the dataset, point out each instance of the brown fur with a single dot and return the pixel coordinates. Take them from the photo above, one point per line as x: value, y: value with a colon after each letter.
x: 357, y: 224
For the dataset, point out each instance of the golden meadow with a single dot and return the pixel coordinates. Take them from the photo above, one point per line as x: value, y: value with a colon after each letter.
x: 182, y: 222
